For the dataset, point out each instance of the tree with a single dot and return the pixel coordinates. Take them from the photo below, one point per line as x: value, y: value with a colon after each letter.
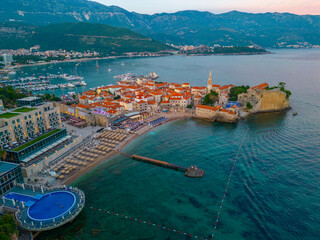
x: 248, y: 105
x: 236, y: 90
x: 116, y: 97
x: 3, y: 154
x: 207, y: 100
x: 282, y: 87
x: 281, y: 84
x: 9, y: 95
x: 211, y: 98
x: 49, y: 97
x: 8, y: 227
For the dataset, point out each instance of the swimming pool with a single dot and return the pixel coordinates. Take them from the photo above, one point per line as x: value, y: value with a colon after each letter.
x: 51, y: 206
x: 19, y: 197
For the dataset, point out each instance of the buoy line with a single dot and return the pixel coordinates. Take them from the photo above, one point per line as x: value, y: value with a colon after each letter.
x: 226, y: 189
x: 162, y: 227
x: 170, y: 229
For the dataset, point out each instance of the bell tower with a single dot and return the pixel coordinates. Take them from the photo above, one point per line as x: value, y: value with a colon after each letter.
x: 209, y: 86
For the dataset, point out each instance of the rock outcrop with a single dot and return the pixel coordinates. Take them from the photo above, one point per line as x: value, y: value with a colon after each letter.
x: 265, y: 100
x: 272, y: 101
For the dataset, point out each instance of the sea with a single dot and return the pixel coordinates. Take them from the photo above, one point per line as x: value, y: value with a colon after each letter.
x: 262, y: 175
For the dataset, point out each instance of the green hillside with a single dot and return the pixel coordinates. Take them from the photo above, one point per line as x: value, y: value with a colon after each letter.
x: 184, y: 27
x: 78, y: 37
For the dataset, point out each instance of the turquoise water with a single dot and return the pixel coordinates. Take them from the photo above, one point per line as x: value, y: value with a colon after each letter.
x: 274, y: 192
x: 293, y: 66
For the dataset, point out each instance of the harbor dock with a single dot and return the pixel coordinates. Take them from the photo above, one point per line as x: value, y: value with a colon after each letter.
x: 192, y: 171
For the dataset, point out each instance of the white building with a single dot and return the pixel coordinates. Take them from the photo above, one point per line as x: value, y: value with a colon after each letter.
x: 7, y: 59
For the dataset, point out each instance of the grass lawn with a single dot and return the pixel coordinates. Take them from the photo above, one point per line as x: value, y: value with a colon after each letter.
x: 8, y: 115
x: 36, y: 140
x: 24, y: 109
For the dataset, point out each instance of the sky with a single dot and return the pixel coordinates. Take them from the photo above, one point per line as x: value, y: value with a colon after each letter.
x: 218, y: 6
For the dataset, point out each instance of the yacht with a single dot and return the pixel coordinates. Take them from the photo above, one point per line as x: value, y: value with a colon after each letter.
x: 70, y: 85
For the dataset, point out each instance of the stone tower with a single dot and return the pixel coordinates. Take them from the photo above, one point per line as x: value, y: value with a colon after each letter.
x: 209, y: 86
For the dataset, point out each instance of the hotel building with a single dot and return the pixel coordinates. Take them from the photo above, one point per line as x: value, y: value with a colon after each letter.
x: 21, y: 124
x: 32, y: 136
x: 10, y: 174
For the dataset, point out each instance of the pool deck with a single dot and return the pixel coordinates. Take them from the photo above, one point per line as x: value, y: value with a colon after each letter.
x: 21, y: 210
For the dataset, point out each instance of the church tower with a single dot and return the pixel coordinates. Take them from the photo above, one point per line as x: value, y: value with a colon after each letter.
x: 209, y: 86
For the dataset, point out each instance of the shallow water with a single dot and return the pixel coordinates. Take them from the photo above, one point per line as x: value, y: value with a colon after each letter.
x: 274, y: 191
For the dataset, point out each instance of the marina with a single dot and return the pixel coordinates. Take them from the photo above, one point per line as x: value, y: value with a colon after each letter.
x: 43, y: 83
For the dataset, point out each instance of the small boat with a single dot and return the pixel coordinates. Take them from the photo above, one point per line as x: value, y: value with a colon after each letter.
x: 294, y: 114
x: 97, y: 65
x: 83, y: 83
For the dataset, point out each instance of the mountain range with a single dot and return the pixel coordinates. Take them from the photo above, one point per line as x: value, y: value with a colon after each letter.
x: 80, y: 36
x: 184, y: 27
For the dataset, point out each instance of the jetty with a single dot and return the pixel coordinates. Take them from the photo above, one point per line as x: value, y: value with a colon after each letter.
x: 192, y: 171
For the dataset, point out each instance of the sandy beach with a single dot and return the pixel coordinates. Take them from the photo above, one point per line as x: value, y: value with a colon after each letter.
x: 171, y: 117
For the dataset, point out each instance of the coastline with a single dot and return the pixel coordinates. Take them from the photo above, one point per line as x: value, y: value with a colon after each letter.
x: 78, y: 60
x: 17, y: 67
x: 228, y: 54
x: 108, y: 157
x: 103, y: 159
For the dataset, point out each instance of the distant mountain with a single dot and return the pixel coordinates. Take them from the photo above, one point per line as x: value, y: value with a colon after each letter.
x: 185, y: 27
x: 78, y: 37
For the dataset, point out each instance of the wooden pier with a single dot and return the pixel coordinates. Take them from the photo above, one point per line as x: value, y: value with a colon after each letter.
x: 188, y: 172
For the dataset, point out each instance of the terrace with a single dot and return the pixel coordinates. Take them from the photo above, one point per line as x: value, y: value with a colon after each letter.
x: 8, y: 115
x: 23, y: 146
x: 24, y: 110
x: 29, y: 200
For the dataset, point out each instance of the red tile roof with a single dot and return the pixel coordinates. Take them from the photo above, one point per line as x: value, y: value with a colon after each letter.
x: 261, y: 86
x: 226, y: 111
x: 112, y: 111
x: 152, y: 102
x: 198, y: 88
x: 208, y: 107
